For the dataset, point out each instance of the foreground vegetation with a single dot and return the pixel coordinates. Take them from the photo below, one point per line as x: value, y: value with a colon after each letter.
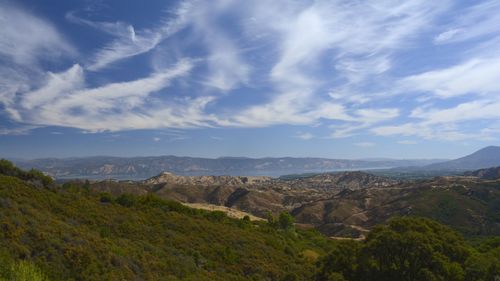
x: 51, y: 232
x: 473, y: 211
x: 73, y: 234
x: 412, y: 249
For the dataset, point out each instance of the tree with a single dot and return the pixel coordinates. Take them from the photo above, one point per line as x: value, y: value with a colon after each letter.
x: 404, y: 249
x: 285, y: 221
x: 341, y: 263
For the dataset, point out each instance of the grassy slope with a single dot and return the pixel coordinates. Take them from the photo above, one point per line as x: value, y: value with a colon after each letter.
x: 72, y: 235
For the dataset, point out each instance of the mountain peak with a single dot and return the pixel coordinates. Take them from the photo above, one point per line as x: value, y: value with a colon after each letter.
x: 483, y: 158
x: 491, y: 148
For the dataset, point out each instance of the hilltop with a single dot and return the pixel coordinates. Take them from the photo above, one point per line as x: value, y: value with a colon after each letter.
x: 170, y: 178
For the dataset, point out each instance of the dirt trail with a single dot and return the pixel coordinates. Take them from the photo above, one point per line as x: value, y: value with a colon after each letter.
x: 233, y: 213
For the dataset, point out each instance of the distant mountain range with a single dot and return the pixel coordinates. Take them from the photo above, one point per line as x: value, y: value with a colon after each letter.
x: 102, y: 167
x: 144, y: 167
x: 483, y: 158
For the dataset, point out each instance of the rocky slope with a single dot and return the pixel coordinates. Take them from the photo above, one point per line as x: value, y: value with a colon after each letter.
x: 172, y: 179
x: 342, y: 180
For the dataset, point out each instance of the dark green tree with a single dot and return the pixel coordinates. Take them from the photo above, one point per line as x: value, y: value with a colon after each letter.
x: 285, y: 221
x: 404, y: 249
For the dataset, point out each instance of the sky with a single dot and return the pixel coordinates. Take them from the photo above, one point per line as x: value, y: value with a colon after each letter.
x: 257, y: 78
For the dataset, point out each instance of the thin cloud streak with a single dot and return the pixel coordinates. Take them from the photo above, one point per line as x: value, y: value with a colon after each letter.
x: 65, y: 101
x: 130, y: 42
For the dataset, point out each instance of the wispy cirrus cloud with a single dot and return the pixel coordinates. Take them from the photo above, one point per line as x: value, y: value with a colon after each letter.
x: 364, y: 144
x: 407, y: 142
x: 26, y: 42
x: 353, y: 67
x: 324, y: 29
x: 476, y: 21
x: 364, y: 118
x: 130, y: 42
x: 478, y: 76
x: 65, y: 100
x: 304, y: 136
x: 443, y: 132
x: 26, y: 38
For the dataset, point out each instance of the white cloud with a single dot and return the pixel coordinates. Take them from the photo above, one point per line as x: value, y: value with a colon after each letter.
x: 445, y: 132
x: 226, y: 67
x: 26, y: 39
x: 477, y: 76
x: 364, y: 144
x: 294, y: 63
x: 447, y: 35
x: 372, y: 116
x: 363, y: 118
x: 65, y: 101
x: 156, y: 139
x: 305, y: 136
x: 407, y: 142
x: 26, y: 42
x: 467, y: 111
x: 308, y: 33
x: 476, y: 21
x: 22, y: 130
x: 130, y: 42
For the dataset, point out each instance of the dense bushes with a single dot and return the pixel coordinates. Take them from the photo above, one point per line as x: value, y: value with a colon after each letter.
x: 74, y: 234
x: 284, y: 221
x: 410, y: 249
x: 19, y: 271
x: 33, y: 175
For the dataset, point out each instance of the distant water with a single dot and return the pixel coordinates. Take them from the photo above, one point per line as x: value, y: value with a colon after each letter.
x: 267, y: 173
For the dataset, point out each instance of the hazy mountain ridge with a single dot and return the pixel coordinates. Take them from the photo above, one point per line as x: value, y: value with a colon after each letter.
x: 146, y: 167
x: 484, y: 158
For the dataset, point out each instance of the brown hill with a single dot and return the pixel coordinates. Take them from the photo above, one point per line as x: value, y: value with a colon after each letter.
x: 172, y: 179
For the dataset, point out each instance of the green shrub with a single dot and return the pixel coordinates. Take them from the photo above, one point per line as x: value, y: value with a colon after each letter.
x: 25, y: 271
x: 106, y: 197
x: 7, y: 168
x: 127, y: 200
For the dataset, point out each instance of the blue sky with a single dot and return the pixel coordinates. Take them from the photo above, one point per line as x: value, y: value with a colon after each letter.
x: 338, y: 79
